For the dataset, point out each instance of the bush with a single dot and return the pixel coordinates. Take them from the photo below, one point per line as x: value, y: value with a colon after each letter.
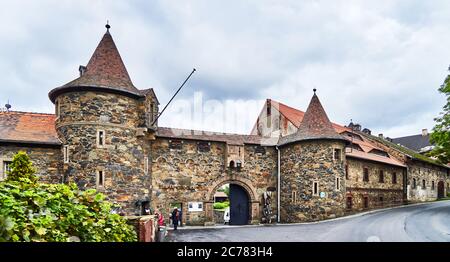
x: 32, y: 211
x: 221, y: 205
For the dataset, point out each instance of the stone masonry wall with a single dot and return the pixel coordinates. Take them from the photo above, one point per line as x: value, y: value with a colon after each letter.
x: 378, y: 194
x: 303, y: 163
x: 188, y: 175
x: 430, y: 173
x: 46, y: 160
x: 121, y: 158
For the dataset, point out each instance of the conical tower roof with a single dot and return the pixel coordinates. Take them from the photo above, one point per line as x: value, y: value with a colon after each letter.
x: 104, y: 70
x: 314, y: 126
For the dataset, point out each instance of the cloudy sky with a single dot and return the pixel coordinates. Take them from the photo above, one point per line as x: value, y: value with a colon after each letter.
x: 379, y: 63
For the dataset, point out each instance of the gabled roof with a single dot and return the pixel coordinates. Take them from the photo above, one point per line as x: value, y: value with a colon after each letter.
x: 314, y: 125
x: 105, y: 70
x: 415, y: 142
x: 295, y: 116
x: 28, y: 128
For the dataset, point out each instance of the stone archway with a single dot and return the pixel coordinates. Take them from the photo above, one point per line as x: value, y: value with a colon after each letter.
x: 254, y: 212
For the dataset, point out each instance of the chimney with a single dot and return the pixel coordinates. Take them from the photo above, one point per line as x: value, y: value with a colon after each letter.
x: 82, y: 69
x: 380, y: 135
x: 424, y: 132
x: 357, y: 127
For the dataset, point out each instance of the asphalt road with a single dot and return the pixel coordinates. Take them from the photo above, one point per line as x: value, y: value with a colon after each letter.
x: 425, y: 222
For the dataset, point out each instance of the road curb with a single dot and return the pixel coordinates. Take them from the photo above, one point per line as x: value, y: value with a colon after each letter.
x: 306, y: 223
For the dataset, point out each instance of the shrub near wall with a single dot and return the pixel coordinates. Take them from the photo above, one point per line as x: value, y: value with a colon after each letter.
x: 33, y: 211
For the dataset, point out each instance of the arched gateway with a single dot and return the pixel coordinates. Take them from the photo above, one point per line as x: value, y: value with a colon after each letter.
x: 244, y: 206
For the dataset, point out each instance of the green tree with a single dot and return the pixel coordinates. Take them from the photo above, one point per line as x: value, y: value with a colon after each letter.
x: 37, y: 212
x: 440, y: 135
x: 21, y: 169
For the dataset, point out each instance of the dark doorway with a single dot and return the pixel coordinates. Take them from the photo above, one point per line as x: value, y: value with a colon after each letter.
x: 441, y: 190
x: 366, y: 202
x: 349, y: 202
x: 239, y: 203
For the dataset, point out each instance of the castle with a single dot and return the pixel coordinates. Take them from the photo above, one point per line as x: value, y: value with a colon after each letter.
x: 104, y: 135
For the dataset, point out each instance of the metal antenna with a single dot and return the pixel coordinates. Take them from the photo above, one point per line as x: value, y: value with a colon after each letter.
x: 162, y: 111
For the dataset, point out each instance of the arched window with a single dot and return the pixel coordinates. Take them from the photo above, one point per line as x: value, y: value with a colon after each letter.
x: 414, y: 183
x: 424, y: 184
x: 432, y: 185
x: 231, y: 164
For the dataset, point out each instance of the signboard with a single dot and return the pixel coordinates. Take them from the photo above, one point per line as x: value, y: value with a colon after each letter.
x: 195, y: 206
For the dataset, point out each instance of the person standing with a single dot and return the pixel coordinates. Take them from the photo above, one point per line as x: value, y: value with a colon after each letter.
x: 175, y: 218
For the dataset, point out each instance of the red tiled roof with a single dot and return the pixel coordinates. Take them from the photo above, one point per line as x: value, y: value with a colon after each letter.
x: 24, y: 127
x: 232, y: 139
x: 104, y: 70
x: 295, y: 116
x: 314, y: 125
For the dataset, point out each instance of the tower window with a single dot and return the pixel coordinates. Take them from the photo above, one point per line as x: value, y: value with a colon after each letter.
x: 57, y: 108
x: 315, y: 188
x: 101, y: 137
x: 394, y: 178
x: 338, y: 183
x: 100, y: 178
x: 366, y: 174
x: 269, y: 109
x: 381, y: 176
x: 146, y: 165
x: 346, y: 172
x: 66, y: 154
x: 6, y: 169
x: 294, y: 197
x: 337, y: 154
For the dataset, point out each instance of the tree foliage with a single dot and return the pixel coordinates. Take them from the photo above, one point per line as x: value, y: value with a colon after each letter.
x: 38, y: 212
x: 440, y: 136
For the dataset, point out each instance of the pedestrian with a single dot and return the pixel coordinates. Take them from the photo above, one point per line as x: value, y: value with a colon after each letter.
x: 175, y: 218
x: 160, y: 218
x: 180, y: 212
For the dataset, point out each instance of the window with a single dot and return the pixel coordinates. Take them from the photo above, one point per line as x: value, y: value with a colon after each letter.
x: 381, y: 177
x: 432, y: 185
x: 294, y: 197
x: 175, y: 144
x: 66, y: 154
x: 315, y: 188
x: 394, y: 178
x: 346, y: 172
x: 203, y: 146
x: 6, y: 169
x: 269, y: 108
x: 146, y: 165
x: 424, y: 184
x: 381, y: 200
x: 414, y: 183
x: 100, y: 178
x: 260, y: 150
x: 338, y: 183
x: 101, y: 137
x: 57, y: 108
x: 231, y: 164
x: 366, y: 174
x: 150, y: 114
x: 337, y: 154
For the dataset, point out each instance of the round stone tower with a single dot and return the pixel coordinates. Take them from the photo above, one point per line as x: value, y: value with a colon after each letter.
x: 105, y: 123
x: 312, y: 169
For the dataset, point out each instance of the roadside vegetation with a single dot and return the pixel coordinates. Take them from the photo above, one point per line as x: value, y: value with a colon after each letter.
x: 31, y: 211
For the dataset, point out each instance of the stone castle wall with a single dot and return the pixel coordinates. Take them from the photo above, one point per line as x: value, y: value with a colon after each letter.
x: 121, y: 158
x: 188, y: 175
x: 378, y: 194
x: 46, y: 160
x: 421, y: 171
x: 303, y: 163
